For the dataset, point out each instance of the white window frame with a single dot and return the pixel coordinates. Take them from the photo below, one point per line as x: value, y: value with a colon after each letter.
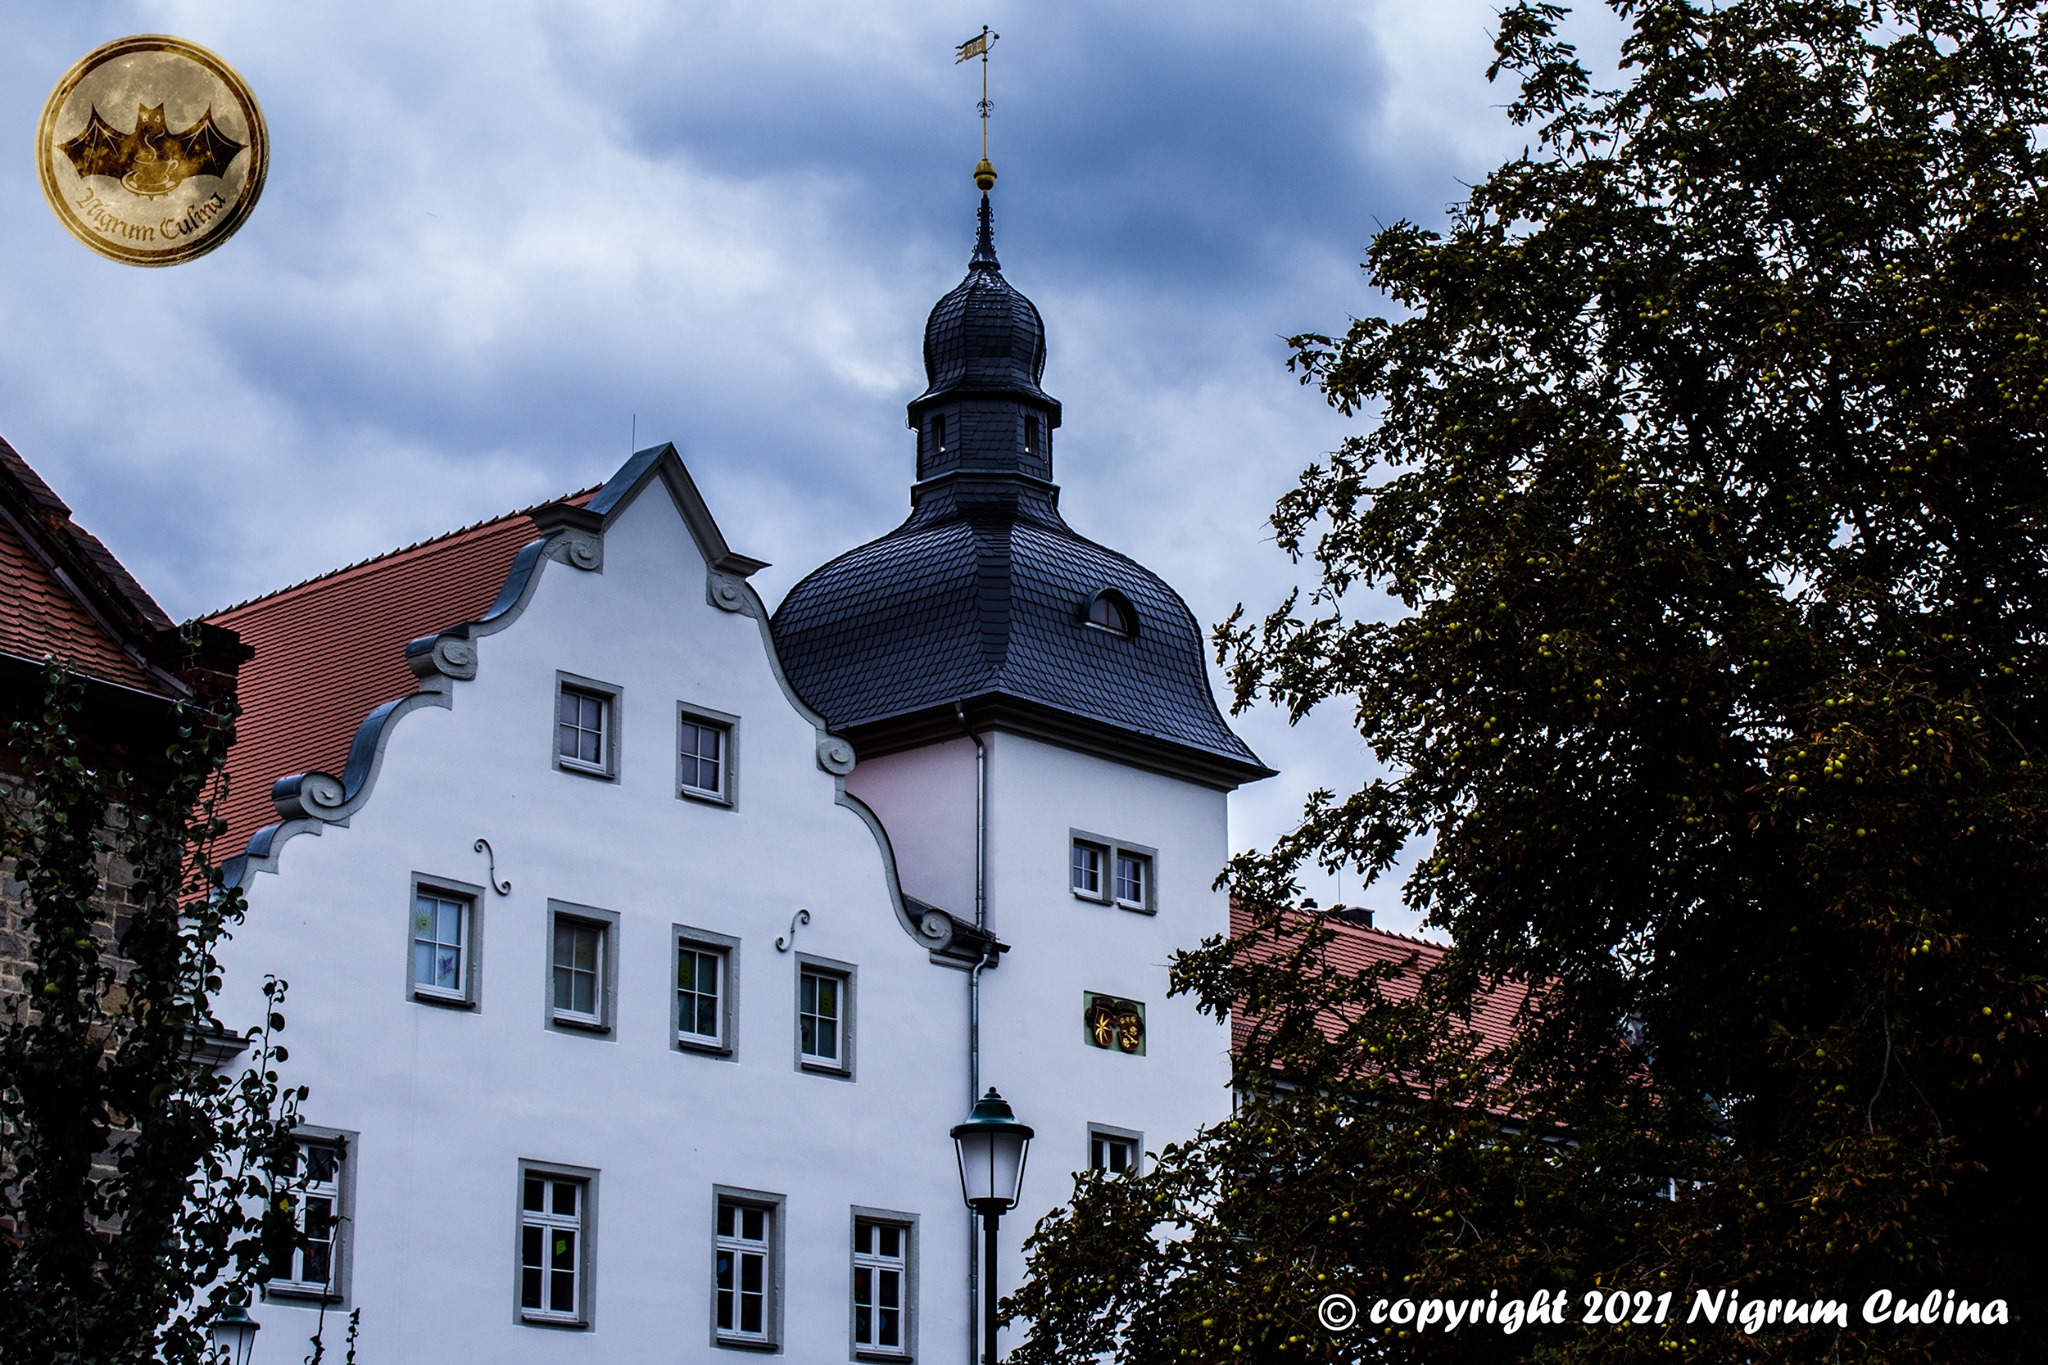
x: 468, y: 990
x: 1088, y: 865
x: 1101, y: 1135
x: 1109, y: 889
x: 606, y: 923
x: 338, y: 1194
x: 904, y: 1266
x: 768, y: 1248
x: 728, y: 728
x: 611, y: 710
x: 727, y: 950
x: 583, y: 1224
x: 841, y: 1063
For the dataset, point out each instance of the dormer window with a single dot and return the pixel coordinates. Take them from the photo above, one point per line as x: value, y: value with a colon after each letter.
x: 1111, y: 610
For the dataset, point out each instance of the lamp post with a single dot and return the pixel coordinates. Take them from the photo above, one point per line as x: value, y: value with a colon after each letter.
x: 991, y: 1147
x: 234, y: 1334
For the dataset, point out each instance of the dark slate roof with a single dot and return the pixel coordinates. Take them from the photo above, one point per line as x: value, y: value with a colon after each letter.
x: 954, y: 609
x: 984, y: 337
x: 979, y: 599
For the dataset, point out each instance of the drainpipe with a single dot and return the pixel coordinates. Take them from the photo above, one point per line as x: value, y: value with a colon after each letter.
x: 974, y: 1000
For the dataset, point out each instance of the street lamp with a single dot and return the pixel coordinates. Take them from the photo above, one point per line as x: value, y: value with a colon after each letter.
x: 234, y: 1335
x: 991, y: 1147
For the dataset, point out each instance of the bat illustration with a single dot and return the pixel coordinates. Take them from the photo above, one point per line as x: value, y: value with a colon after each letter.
x: 151, y: 160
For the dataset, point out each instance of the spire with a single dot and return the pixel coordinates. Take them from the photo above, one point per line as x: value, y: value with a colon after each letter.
x: 985, y: 240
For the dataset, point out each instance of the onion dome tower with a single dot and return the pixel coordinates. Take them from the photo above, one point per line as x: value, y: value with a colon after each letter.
x: 984, y: 603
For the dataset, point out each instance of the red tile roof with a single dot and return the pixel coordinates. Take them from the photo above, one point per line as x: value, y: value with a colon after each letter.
x: 1357, y: 946
x: 332, y: 649
x: 62, y: 592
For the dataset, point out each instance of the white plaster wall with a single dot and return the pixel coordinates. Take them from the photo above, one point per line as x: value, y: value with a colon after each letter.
x: 448, y: 1102
x: 925, y: 798
x: 1033, y: 1049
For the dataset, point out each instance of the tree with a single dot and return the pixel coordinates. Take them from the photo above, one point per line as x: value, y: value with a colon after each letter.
x: 141, y: 1188
x: 1709, y: 474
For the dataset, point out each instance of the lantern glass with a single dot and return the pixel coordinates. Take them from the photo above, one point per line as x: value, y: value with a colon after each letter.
x: 991, y: 1148
x: 234, y: 1335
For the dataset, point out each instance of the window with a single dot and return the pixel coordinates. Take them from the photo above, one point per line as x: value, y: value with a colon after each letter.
x: 704, y: 755
x: 581, y: 969
x: 1114, y: 1150
x: 745, y: 1290
x: 1030, y: 435
x: 1112, y: 873
x: 704, y: 990
x: 881, y: 1285
x: 824, y: 1016
x: 1087, y: 869
x: 442, y: 942
x: 556, y: 1224
x: 315, y: 1267
x: 586, y: 726
x: 1110, y: 610
x: 939, y: 434
x: 1133, y: 880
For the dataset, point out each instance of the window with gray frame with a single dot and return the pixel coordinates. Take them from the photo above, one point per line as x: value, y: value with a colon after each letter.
x: 746, y: 1271
x: 320, y: 1198
x: 582, y: 966
x: 1112, y: 872
x: 557, y: 1223
x: 704, y: 754
x: 586, y: 726
x: 705, y: 1001
x: 824, y: 1016
x: 1117, y: 1151
x: 881, y: 1287
x: 444, y: 936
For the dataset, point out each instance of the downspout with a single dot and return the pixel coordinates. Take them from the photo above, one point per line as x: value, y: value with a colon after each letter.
x: 974, y: 1001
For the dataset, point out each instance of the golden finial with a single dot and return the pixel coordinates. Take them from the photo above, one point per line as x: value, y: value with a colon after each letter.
x: 977, y: 46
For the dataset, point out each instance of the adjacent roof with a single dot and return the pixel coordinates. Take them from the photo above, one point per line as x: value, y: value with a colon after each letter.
x: 62, y: 592
x: 332, y: 649
x: 1356, y: 946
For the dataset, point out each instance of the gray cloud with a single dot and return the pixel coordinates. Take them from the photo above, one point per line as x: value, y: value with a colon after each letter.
x: 497, y: 234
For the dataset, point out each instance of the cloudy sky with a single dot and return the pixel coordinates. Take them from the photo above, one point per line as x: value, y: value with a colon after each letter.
x: 499, y: 236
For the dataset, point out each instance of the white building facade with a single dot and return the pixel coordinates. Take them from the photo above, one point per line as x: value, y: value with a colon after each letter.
x: 642, y: 958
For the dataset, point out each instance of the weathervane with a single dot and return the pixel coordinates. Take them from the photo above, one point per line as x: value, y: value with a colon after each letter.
x: 977, y: 46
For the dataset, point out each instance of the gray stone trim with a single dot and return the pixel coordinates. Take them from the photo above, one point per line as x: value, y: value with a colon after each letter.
x: 778, y: 1260
x: 586, y: 1317
x: 607, y: 922
x: 849, y: 1006
x: 728, y: 1046
x: 615, y: 713
x: 909, y: 1223
x: 472, y: 946
x: 835, y: 755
